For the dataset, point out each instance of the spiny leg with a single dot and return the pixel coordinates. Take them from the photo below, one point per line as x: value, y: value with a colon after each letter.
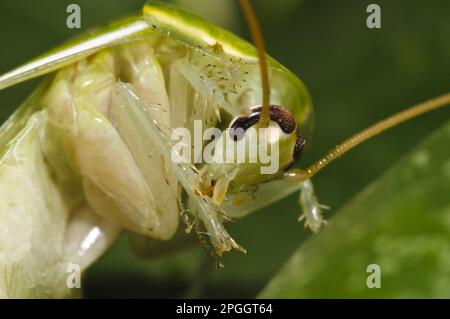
x: 201, y: 207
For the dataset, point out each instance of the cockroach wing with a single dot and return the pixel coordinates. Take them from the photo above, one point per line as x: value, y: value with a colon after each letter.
x: 121, y: 31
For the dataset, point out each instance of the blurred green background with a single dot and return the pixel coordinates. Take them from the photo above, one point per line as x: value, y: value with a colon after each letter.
x: 355, y: 76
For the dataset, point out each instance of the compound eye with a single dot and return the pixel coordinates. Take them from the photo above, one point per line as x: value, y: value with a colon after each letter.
x: 284, y: 119
x: 298, y: 151
x: 298, y: 148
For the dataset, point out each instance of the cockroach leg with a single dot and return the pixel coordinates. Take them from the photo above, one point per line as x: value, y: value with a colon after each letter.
x: 202, y: 207
x: 312, y: 210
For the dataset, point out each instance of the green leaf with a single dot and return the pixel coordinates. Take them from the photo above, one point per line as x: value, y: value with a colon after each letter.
x: 400, y: 222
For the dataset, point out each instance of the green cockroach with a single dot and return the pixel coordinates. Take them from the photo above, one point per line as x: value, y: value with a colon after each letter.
x: 90, y: 152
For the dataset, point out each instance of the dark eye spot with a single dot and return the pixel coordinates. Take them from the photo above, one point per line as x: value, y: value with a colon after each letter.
x: 241, y: 124
x: 298, y: 150
x: 284, y: 119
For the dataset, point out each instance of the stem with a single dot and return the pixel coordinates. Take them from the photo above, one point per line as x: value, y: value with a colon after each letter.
x: 258, y: 40
x: 297, y: 175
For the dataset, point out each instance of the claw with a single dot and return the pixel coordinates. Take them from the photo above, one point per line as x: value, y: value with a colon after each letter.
x: 224, y: 243
x: 211, y: 216
x: 188, y: 223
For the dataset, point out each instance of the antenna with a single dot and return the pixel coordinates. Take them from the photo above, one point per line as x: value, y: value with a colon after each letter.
x: 255, y: 29
x: 298, y: 175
